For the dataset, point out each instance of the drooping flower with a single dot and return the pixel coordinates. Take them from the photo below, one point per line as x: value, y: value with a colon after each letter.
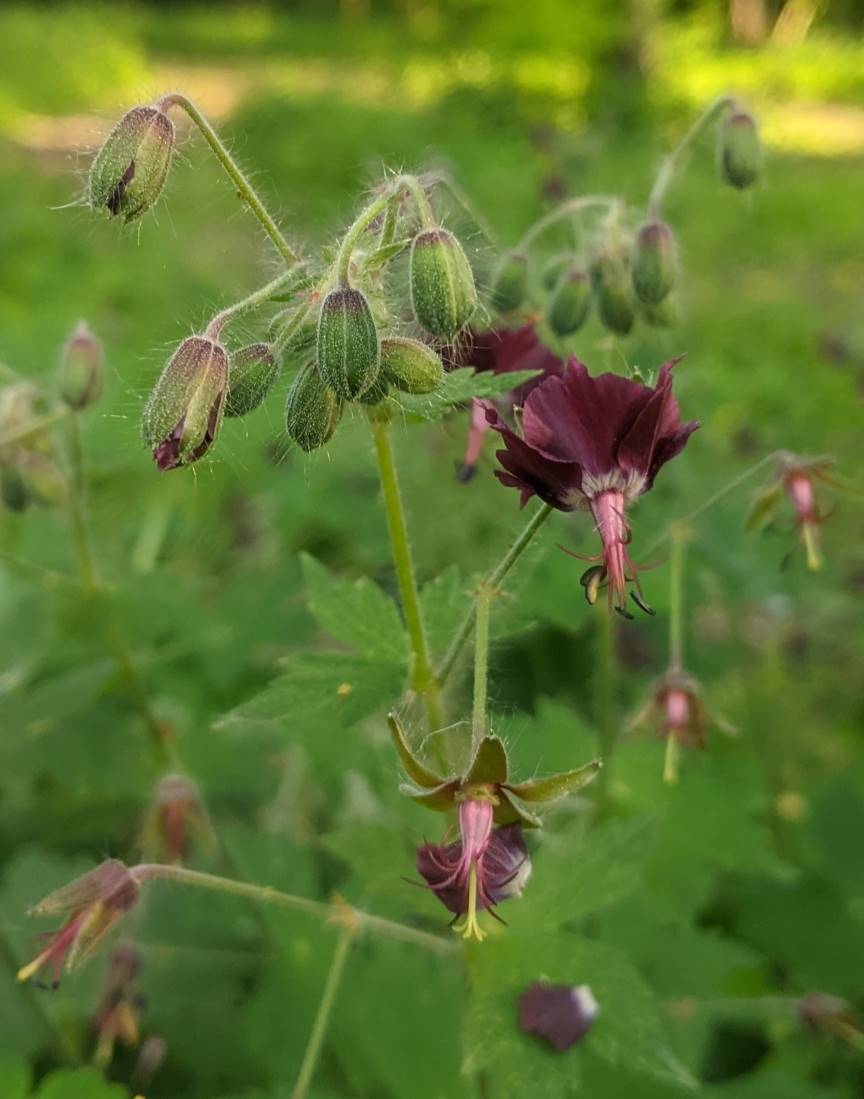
x: 92, y: 904
x: 596, y: 443
x: 117, y: 1017
x: 562, y: 1014
x: 175, y: 820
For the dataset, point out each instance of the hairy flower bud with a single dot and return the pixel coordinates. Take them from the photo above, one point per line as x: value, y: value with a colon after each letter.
x: 510, y: 282
x: 80, y: 376
x: 740, y: 151
x: 129, y: 171
x: 410, y: 365
x: 348, y: 356
x: 554, y: 269
x: 443, y: 294
x: 568, y: 306
x: 611, y: 278
x: 312, y: 409
x: 184, y: 413
x: 666, y: 314
x: 254, y: 370
x: 653, y: 262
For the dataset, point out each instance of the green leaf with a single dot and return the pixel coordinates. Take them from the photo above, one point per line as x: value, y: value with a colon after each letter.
x: 556, y: 786
x: 15, y: 1077
x: 355, y: 611
x: 85, y: 1083
x: 444, y: 602
x: 459, y: 386
x: 763, y: 506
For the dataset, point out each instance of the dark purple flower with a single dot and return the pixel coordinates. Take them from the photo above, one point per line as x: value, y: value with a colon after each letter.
x: 562, y: 1014
x: 484, y: 867
x: 595, y: 443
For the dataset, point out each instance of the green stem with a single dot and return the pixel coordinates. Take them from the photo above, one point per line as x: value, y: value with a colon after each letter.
x: 35, y: 427
x: 678, y: 539
x: 670, y: 759
x: 668, y: 168
x: 604, y: 696
x: 325, y: 1008
x: 259, y: 297
x: 265, y: 894
x: 493, y: 581
x: 289, y: 329
x: 483, y: 604
x: 77, y: 510
x: 422, y: 678
x: 245, y: 190
x: 365, y: 218
x: 565, y: 210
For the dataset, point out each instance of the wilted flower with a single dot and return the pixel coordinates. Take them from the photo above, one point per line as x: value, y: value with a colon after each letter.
x: 595, y: 443
x: 562, y: 1014
x: 117, y: 1017
x: 93, y: 904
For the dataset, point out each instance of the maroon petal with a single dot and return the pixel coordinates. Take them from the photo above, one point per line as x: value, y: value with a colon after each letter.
x: 559, y: 1013
x: 668, y: 448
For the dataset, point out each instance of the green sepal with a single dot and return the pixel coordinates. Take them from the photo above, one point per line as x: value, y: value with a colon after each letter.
x: 512, y: 810
x: 763, y: 506
x: 414, y: 769
x: 555, y: 786
x: 439, y: 797
x: 490, y: 764
x: 381, y: 256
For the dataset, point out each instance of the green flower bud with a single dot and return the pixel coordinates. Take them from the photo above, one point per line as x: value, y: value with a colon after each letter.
x: 443, y: 294
x: 347, y: 343
x: 42, y: 479
x: 376, y: 393
x: 569, y: 304
x: 254, y: 369
x: 410, y: 365
x: 665, y: 314
x: 129, y: 171
x: 554, y: 269
x: 13, y: 489
x: 184, y: 413
x: 510, y: 282
x: 312, y: 409
x: 740, y: 151
x: 653, y: 262
x: 611, y: 278
x: 80, y: 376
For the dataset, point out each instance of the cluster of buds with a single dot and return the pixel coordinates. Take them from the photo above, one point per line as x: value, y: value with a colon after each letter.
x: 489, y: 862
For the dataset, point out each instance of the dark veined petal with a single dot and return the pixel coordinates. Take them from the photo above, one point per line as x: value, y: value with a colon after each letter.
x: 555, y: 483
x: 555, y: 786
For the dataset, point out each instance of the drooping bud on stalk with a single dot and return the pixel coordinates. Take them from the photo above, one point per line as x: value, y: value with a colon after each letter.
x: 410, y: 365
x: 443, y: 294
x: 569, y: 304
x: 80, y: 376
x: 740, y: 151
x: 348, y: 355
x: 312, y: 409
x: 254, y: 370
x: 653, y: 262
x: 510, y: 282
x: 129, y: 171
x: 184, y: 413
x: 43, y: 478
x: 554, y: 269
x: 177, y: 818
x: 612, y: 285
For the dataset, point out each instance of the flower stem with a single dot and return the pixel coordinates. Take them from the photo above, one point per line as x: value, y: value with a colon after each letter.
x: 604, y: 696
x: 669, y: 166
x: 493, y: 582
x: 245, y: 190
x: 35, y: 427
x: 482, y: 606
x: 339, y: 911
x: 365, y: 218
x: 258, y: 297
x: 322, y: 1018
x: 422, y: 677
x: 678, y: 538
x: 670, y: 759
x: 565, y: 210
x: 77, y: 510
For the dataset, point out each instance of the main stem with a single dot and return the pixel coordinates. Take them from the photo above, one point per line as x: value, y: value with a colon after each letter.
x: 77, y: 512
x: 483, y: 604
x: 566, y: 209
x: 245, y: 190
x: 423, y: 679
x: 604, y: 697
x: 258, y: 297
x: 670, y: 164
x: 325, y: 1008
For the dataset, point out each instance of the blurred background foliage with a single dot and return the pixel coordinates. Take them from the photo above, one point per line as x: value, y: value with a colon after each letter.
x: 704, y: 911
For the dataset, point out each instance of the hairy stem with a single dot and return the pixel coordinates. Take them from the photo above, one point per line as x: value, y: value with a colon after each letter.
x: 339, y: 912
x: 669, y: 166
x: 482, y: 604
x: 78, y: 510
x: 259, y: 297
x: 493, y: 581
x: 604, y: 696
x: 565, y: 210
x: 378, y: 206
x: 422, y: 677
x: 325, y: 1008
x: 245, y: 190
x: 678, y: 539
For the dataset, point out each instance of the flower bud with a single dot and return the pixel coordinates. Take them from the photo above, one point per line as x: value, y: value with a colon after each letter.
x: 80, y: 375
x: 569, y: 303
x: 347, y: 343
x: 653, y: 262
x: 42, y: 478
x: 614, y: 290
x: 129, y: 171
x: 554, y: 269
x: 740, y: 151
x: 666, y: 314
x: 184, y: 413
x: 254, y: 370
x: 14, y: 493
x: 510, y: 282
x: 312, y: 409
x: 410, y: 365
x: 443, y: 294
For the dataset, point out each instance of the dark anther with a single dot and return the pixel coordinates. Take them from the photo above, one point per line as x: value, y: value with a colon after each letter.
x: 641, y: 604
x: 589, y: 574
x: 624, y: 613
x: 465, y: 472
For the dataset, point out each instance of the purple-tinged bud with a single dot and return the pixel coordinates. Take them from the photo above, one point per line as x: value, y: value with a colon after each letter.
x: 739, y: 150
x: 653, y: 262
x: 312, y: 409
x: 184, y: 413
x: 554, y: 269
x: 253, y: 373
x: 569, y: 304
x: 81, y: 372
x: 129, y: 171
x: 610, y: 275
x: 348, y: 355
x: 443, y: 294
x: 562, y: 1014
x: 510, y: 282
x: 13, y: 489
x: 410, y: 365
